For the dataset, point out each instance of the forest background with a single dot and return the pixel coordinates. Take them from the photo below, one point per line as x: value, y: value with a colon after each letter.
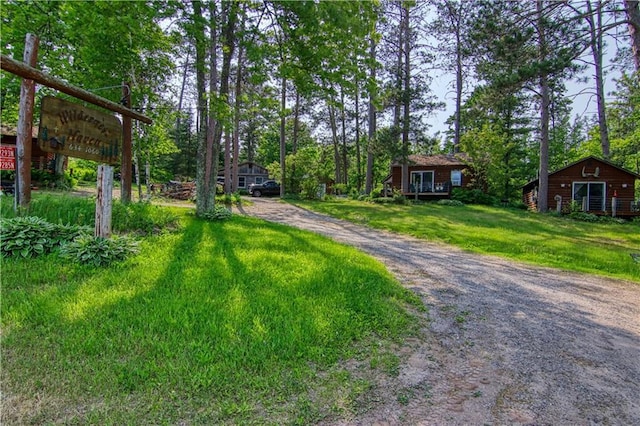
x: 333, y: 92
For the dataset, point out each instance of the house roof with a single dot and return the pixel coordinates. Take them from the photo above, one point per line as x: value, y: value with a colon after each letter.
x: 12, y: 131
x: 435, y: 160
x: 591, y: 157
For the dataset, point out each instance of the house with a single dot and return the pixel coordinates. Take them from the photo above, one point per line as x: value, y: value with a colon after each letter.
x: 248, y: 173
x: 433, y: 176
x: 591, y: 185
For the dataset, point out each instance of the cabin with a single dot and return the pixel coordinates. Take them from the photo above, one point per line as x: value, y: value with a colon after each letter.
x: 431, y: 177
x: 40, y: 160
x: 592, y: 185
x: 248, y: 173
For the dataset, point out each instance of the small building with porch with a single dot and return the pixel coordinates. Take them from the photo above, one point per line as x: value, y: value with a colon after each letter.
x: 590, y: 185
x: 431, y: 177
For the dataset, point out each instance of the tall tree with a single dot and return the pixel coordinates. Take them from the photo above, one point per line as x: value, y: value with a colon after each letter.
x: 632, y: 9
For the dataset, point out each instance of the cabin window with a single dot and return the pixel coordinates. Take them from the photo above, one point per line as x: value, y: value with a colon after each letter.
x: 590, y: 196
x: 456, y: 177
x: 259, y: 179
x: 242, y: 181
x: 423, y: 181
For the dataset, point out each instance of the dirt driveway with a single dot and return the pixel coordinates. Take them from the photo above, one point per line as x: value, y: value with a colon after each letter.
x: 507, y: 343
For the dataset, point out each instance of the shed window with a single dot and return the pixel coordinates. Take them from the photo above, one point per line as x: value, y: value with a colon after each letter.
x: 456, y: 177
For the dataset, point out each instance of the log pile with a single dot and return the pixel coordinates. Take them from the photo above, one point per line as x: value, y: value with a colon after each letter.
x: 179, y: 190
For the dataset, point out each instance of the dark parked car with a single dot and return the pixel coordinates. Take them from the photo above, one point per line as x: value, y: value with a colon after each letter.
x: 269, y: 187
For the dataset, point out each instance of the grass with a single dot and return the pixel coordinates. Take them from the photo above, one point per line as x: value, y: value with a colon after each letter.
x: 547, y: 240
x: 233, y: 322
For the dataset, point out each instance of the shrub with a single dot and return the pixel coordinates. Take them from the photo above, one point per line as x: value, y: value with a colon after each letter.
x: 473, y: 196
x: 454, y: 203
x: 99, y: 251
x: 218, y: 213
x: 32, y: 236
x: 400, y: 199
x: 382, y: 200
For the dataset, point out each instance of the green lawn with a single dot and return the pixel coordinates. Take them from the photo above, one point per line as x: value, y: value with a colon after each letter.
x: 240, y: 321
x: 541, y: 239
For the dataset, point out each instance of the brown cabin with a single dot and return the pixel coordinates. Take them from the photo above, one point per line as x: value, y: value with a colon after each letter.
x: 432, y: 176
x: 591, y: 183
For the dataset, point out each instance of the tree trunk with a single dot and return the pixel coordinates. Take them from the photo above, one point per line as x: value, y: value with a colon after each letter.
x: 595, y: 29
x: 334, y: 138
x: 211, y: 160
x: 283, y: 141
x: 543, y: 178
x: 125, y: 168
x: 372, y: 120
x: 203, y: 191
x: 358, y: 154
x: 406, y: 100
x: 230, y: 11
x: 294, y: 142
x: 343, y: 123
x: 458, y: 112
x: 236, y: 125
x: 632, y: 9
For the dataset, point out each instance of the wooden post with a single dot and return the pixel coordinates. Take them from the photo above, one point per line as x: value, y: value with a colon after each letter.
x: 104, y: 201
x: 25, y: 119
x: 25, y: 71
x: 125, y: 168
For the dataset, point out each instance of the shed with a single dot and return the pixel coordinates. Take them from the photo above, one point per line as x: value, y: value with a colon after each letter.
x: 591, y: 185
x: 432, y: 176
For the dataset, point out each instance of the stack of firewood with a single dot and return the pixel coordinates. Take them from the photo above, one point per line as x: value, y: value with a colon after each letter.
x: 179, y: 190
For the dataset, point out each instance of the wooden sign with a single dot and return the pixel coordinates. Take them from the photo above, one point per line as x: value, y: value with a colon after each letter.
x: 7, y: 157
x: 76, y: 131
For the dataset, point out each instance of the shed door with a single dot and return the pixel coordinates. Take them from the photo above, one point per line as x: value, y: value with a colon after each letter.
x: 590, y: 195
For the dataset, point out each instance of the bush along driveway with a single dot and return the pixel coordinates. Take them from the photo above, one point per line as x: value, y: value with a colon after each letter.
x: 506, y: 343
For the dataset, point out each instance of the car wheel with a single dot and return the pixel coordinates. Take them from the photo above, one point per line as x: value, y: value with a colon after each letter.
x: 257, y: 193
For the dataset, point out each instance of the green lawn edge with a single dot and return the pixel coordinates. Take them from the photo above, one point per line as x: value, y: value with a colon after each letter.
x: 539, y: 239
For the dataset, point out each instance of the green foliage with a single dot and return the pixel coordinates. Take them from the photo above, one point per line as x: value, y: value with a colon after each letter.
x: 473, y: 196
x: 592, y: 218
x: 97, y: 251
x: 453, y: 203
x: 31, y: 236
x: 218, y: 213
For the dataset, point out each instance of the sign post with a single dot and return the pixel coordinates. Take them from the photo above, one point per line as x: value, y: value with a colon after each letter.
x: 104, y: 201
x: 23, y: 138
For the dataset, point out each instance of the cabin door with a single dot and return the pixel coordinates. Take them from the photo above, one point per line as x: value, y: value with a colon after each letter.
x: 590, y: 195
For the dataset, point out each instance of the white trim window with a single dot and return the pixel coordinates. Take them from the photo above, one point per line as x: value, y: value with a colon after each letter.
x: 456, y: 177
x: 422, y: 180
x: 259, y: 179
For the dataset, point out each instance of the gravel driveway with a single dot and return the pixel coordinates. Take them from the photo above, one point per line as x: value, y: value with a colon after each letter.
x: 507, y: 343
